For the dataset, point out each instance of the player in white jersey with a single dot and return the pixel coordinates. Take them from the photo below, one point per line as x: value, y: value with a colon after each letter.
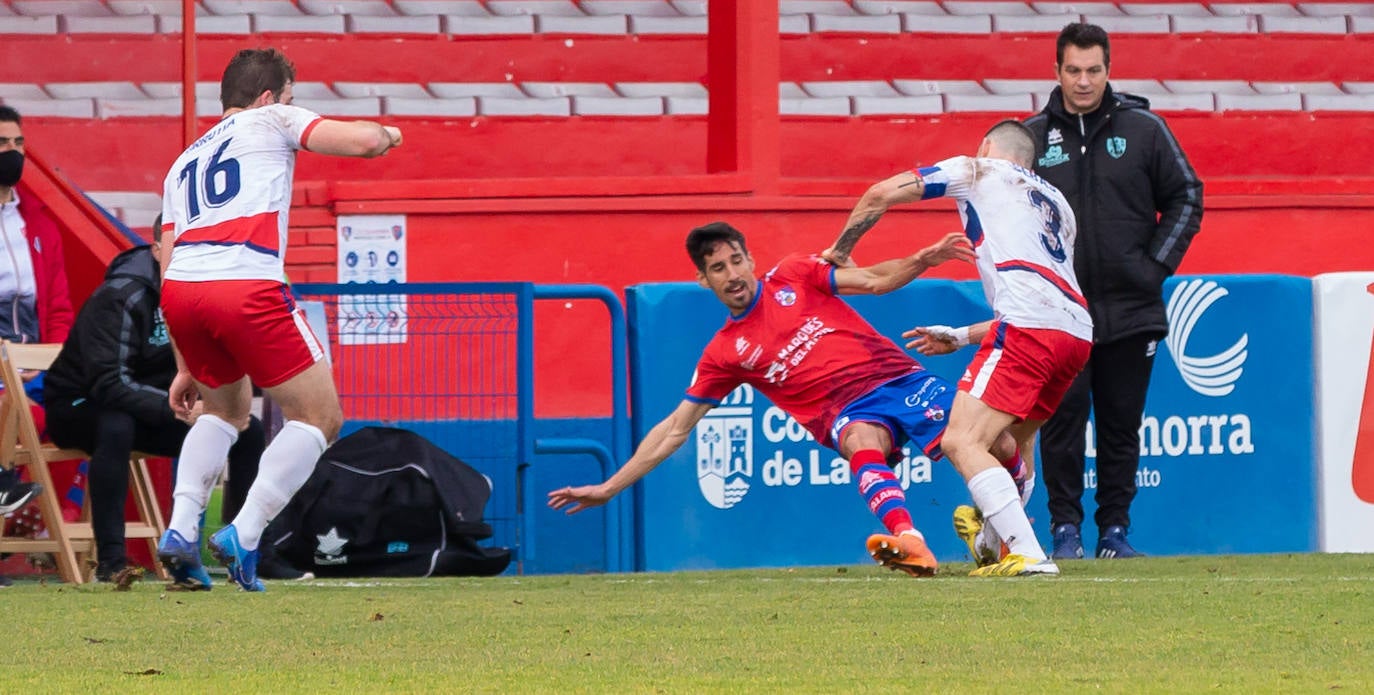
x: 231, y: 317
x: 1022, y: 230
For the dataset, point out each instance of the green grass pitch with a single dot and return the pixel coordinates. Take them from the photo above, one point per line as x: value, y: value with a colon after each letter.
x: 1244, y: 624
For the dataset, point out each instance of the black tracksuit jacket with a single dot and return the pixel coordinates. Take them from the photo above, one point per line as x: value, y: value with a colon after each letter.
x: 1137, y: 201
x: 118, y: 354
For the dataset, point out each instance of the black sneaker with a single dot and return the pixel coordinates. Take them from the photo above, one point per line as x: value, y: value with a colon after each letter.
x: 105, y: 572
x: 5, y: 581
x: 1068, y: 545
x: 18, y: 495
x: 1112, y: 544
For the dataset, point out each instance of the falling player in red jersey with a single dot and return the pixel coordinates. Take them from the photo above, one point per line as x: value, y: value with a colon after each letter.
x: 792, y: 338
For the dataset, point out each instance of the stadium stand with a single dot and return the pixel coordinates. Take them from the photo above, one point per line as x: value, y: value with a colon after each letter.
x: 540, y: 82
x: 106, y: 100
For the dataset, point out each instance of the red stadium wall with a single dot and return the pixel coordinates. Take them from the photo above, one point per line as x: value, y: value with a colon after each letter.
x: 608, y: 201
x: 133, y: 154
x: 627, y: 58
x: 1250, y: 226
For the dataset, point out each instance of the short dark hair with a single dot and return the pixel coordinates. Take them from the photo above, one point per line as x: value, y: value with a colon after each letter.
x: 250, y: 73
x: 1014, y: 139
x: 1083, y: 35
x: 702, y: 241
x: 9, y: 115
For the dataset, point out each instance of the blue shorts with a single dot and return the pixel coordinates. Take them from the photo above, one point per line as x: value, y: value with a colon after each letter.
x: 914, y: 408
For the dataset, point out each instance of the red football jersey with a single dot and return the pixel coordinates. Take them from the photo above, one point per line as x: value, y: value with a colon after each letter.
x: 801, y: 346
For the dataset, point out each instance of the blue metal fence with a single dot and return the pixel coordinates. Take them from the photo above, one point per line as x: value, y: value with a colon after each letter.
x: 454, y: 362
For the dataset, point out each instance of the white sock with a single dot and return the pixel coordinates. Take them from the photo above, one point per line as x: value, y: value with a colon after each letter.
x: 914, y: 532
x: 203, y: 454
x: 995, y: 494
x: 286, y: 464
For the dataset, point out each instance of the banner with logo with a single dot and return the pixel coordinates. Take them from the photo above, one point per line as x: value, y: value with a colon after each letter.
x: 1228, y: 435
x: 371, y: 250
x: 1345, y: 402
x: 1227, y: 445
x: 751, y: 488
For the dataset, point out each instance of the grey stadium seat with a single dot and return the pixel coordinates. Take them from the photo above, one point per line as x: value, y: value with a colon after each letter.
x: 899, y: 7
x: 920, y: 87
x: 424, y: 8
x: 66, y: 8
x: 875, y: 106
x: 405, y: 106
x: 458, y: 90
x: 617, y: 106
x: 564, y: 8
x: 815, y: 106
x: 261, y: 7
x: 498, y: 106
x: 369, y: 8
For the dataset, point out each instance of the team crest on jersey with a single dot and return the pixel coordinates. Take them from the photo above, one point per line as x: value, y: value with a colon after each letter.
x: 1055, y: 137
x: 1054, y: 156
x: 725, y: 451
x: 1116, y: 146
x: 935, y: 413
x: 786, y: 296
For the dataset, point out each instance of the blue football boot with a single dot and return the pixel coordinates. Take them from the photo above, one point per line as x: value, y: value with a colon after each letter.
x: 242, y: 564
x: 182, y: 560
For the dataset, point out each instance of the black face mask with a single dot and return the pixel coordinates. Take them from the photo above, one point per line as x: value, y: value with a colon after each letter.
x: 11, y: 167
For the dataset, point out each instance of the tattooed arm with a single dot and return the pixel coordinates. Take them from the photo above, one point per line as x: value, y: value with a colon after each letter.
x: 905, y: 187
x: 894, y: 274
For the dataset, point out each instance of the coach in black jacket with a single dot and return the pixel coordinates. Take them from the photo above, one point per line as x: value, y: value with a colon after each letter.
x: 107, y: 394
x: 1138, y: 205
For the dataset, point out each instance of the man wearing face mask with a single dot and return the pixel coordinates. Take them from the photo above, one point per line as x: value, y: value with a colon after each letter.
x: 34, y: 303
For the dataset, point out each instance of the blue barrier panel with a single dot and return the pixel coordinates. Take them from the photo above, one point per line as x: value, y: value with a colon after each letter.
x: 454, y: 362
x: 448, y: 366
x: 791, y: 503
x: 752, y: 489
x: 1228, y: 448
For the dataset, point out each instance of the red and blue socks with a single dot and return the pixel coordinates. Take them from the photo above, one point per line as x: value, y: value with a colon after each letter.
x: 881, y: 489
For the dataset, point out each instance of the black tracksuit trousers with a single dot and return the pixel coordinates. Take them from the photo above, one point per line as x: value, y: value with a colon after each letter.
x: 109, y: 436
x: 1113, y: 385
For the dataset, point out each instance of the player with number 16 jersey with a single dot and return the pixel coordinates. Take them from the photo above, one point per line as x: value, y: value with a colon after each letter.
x: 226, y: 205
x: 230, y: 315
x: 230, y: 225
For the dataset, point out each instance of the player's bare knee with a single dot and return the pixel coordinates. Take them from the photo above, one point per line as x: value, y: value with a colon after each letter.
x: 236, y: 418
x: 330, y: 424
x: 956, y: 444
x: 1004, y: 447
x: 240, y: 422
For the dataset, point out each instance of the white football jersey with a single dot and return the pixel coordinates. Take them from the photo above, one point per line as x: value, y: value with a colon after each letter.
x: 227, y: 199
x: 1023, y: 230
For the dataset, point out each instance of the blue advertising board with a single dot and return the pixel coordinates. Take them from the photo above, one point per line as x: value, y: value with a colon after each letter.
x: 1226, y: 454
x: 1228, y: 447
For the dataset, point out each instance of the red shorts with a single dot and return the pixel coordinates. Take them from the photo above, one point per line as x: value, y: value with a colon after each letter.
x: 225, y: 329
x: 1024, y: 371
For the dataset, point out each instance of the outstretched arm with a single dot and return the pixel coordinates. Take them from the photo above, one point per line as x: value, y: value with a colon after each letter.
x: 894, y: 274
x: 352, y: 138
x: 942, y: 340
x: 665, y: 438
x: 905, y: 187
